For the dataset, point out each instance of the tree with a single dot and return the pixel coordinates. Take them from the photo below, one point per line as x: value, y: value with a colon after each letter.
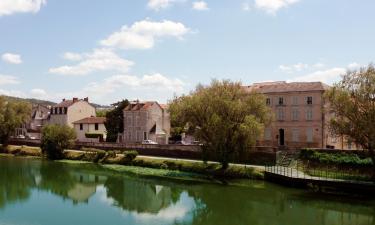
x: 115, y: 120
x: 101, y: 113
x: 352, y: 101
x: 55, y: 139
x: 12, y: 115
x: 226, y: 118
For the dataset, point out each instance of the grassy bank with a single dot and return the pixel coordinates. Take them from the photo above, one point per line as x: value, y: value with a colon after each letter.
x: 129, y: 162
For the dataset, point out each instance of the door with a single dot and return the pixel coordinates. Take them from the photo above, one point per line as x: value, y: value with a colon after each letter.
x: 281, y: 137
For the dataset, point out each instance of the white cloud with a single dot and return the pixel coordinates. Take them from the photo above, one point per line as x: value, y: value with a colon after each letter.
x: 246, y: 6
x: 272, y: 6
x: 8, y: 7
x: 11, y: 58
x: 99, y: 60
x: 159, y: 4
x: 200, y: 5
x: 72, y: 56
x: 142, y: 34
x: 325, y: 76
x: 6, y: 79
x: 354, y: 65
x: 38, y: 93
x: 294, y: 68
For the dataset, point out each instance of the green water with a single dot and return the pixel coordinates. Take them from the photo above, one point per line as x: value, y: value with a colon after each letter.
x: 47, y: 193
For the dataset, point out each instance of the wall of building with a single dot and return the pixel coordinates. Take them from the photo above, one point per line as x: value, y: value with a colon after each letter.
x: 78, y: 111
x: 89, y: 128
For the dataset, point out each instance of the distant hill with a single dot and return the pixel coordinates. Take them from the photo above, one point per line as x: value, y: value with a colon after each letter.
x: 31, y: 100
x: 44, y: 102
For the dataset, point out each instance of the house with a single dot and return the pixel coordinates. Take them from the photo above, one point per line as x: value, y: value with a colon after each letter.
x: 90, y: 129
x: 39, y: 118
x: 300, y: 119
x: 145, y: 121
x: 69, y: 111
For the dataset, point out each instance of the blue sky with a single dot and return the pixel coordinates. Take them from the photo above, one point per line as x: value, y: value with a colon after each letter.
x: 153, y: 49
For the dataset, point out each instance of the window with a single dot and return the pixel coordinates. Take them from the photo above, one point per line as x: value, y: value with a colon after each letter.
x: 56, y: 110
x: 281, y: 101
x: 268, y: 101
x: 295, y: 100
x: 309, y: 134
x: 295, y: 114
x: 309, y: 114
x: 280, y: 114
x: 295, y: 135
x: 81, y: 126
x: 309, y: 100
x: 144, y: 135
x: 96, y: 126
x: 65, y: 110
x: 60, y: 110
x: 267, y: 134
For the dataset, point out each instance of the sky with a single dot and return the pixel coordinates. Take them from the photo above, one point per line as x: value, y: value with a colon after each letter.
x: 157, y: 49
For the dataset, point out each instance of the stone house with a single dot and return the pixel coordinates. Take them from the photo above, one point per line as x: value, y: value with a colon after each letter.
x: 300, y: 119
x: 90, y: 125
x: 145, y: 121
x: 39, y: 118
x: 69, y: 111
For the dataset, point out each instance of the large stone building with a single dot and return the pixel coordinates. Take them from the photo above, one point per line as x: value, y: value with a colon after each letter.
x: 145, y: 121
x: 299, y: 116
x: 69, y: 111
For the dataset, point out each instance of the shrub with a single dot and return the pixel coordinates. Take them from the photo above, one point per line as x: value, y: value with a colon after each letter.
x: 93, y: 154
x: 94, y: 135
x: 55, y: 139
x: 131, y: 155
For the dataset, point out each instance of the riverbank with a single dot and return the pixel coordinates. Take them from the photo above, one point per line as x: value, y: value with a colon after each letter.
x: 181, y: 169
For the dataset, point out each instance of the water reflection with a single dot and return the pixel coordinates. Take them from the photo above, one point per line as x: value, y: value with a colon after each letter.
x: 116, y: 198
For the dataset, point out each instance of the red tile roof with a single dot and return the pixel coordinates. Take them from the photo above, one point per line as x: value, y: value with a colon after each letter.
x: 282, y: 86
x: 135, y: 106
x: 91, y: 120
x: 65, y: 103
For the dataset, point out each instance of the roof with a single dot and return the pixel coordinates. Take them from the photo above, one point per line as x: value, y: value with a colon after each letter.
x: 136, y: 106
x: 91, y: 120
x: 65, y: 103
x: 282, y: 86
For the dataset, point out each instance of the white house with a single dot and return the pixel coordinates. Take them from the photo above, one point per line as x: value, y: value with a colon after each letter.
x: 90, y: 126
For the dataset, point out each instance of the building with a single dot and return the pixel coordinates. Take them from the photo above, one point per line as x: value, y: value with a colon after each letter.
x: 145, y: 121
x: 69, y: 111
x: 90, y: 125
x: 39, y: 118
x: 300, y: 119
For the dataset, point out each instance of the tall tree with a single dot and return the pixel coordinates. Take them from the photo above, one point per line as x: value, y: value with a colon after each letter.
x: 226, y: 118
x: 12, y: 115
x: 115, y: 120
x: 352, y: 101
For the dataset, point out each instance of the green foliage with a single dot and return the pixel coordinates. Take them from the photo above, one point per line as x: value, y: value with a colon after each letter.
x: 101, y: 113
x: 344, y: 159
x: 130, y: 155
x: 93, y: 154
x: 55, y: 139
x: 12, y: 115
x: 115, y: 120
x: 94, y: 135
x: 226, y: 118
x: 352, y: 103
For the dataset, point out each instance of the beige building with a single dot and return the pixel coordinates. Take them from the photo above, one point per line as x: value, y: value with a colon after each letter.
x: 90, y: 125
x: 145, y: 121
x: 299, y: 116
x: 69, y: 111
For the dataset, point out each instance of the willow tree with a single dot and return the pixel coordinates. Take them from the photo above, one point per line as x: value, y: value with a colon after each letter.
x: 12, y: 115
x: 224, y: 117
x: 352, y: 100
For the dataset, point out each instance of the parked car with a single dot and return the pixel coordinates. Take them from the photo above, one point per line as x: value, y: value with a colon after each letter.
x: 149, y: 142
x: 21, y: 136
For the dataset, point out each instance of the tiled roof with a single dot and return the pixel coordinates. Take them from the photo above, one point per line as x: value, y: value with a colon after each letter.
x: 135, y: 106
x: 91, y: 120
x: 65, y: 103
x: 281, y: 86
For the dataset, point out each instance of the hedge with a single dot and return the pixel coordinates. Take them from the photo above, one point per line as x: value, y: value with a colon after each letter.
x: 94, y: 135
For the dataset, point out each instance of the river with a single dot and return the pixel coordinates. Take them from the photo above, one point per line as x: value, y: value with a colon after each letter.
x: 37, y: 192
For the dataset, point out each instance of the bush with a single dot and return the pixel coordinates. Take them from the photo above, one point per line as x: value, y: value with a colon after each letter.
x: 130, y: 155
x: 345, y: 159
x: 55, y: 139
x: 93, y: 154
x: 94, y: 135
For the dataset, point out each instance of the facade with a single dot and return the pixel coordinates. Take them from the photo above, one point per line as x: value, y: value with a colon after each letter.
x: 145, y: 121
x: 299, y: 116
x: 90, y: 125
x: 69, y: 111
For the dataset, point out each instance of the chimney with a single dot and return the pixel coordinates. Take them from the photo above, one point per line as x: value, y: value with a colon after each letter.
x: 75, y: 100
x: 63, y: 99
x: 86, y: 99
